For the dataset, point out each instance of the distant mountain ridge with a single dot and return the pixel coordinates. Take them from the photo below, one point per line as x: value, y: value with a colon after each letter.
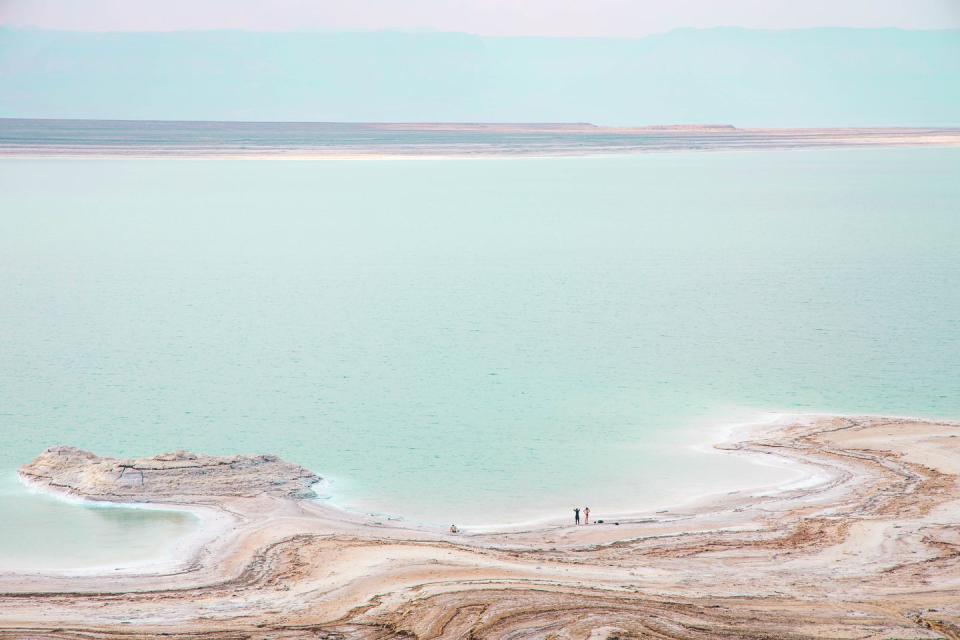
x: 795, y: 78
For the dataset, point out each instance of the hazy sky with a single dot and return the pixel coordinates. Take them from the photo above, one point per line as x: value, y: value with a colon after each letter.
x: 487, y: 17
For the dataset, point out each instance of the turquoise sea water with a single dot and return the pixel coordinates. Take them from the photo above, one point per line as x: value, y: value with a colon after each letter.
x: 480, y: 341
x: 43, y: 533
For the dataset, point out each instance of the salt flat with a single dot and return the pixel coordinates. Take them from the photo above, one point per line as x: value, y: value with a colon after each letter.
x: 869, y: 551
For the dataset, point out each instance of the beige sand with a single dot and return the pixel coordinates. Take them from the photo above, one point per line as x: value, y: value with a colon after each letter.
x: 872, y: 551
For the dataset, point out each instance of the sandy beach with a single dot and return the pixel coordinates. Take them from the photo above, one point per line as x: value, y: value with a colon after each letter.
x: 869, y: 550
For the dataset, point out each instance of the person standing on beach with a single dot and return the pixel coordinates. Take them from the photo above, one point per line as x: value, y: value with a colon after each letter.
x: 586, y: 515
x: 576, y: 515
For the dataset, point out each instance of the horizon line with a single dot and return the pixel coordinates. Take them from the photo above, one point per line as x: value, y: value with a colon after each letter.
x: 427, y: 32
x: 498, y: 123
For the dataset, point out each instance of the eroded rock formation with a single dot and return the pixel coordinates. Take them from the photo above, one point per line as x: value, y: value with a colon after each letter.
x: 170, y: 476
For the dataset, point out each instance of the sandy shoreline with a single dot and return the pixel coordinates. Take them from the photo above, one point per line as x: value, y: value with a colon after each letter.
x: 873, y: 551
x: 716, y: 438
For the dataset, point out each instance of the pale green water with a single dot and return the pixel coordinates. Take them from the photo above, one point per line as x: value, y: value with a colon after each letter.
x: 468, y: 341
x: 40, y: 532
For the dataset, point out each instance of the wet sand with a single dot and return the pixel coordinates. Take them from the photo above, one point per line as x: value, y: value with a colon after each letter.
x: 872, y: 550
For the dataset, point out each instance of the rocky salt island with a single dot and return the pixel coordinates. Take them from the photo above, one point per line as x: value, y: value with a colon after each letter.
x: 171, y: 477
x: 867, y: 548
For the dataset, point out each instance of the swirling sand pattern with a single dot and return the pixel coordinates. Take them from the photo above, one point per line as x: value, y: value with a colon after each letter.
x: 871, y: 551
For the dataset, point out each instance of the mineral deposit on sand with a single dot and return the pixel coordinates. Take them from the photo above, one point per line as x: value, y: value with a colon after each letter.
x: 870, y: 551
x: 166, y: 477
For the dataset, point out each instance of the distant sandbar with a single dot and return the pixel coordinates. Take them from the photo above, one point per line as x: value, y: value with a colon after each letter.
x: 21, y: 138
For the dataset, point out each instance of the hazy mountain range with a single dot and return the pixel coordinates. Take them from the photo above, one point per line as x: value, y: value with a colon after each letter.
x: 809, y: 77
